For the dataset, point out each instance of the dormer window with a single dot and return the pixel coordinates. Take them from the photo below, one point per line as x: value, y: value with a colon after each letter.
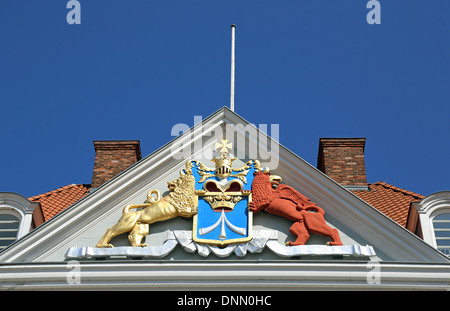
x: 434, y: 213
x: 16, y: 213
x: 9, y: 226
x: 441, y: 225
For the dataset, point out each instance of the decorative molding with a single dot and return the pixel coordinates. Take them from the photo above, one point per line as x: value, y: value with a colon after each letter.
x: 223, y: 275
x: 261, y: 239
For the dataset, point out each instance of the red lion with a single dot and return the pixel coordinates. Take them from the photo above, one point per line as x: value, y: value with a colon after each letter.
x: 286, y: 202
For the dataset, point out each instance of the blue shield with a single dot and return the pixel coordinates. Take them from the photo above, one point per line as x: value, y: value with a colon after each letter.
x: 223, y: 216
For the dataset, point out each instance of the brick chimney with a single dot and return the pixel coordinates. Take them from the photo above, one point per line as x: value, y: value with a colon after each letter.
x: 342, y: 159
x: 112, y: 157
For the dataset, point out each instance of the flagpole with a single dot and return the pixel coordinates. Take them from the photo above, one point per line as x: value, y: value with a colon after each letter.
x: 233, y: 27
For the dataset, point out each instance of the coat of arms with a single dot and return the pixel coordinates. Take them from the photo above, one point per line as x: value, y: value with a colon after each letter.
x: 224, y: 195
x: 220, y: 201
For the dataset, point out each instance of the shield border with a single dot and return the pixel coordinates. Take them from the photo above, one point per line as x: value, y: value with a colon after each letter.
x: 227, y: 241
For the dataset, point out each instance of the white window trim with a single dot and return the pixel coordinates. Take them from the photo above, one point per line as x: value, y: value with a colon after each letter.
x: 20, y: 207
x: 431, y: 206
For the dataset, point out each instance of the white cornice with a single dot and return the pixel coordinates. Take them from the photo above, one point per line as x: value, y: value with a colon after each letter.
x: 223, y: 275
x: 18, y: 202
x: 434, y: 202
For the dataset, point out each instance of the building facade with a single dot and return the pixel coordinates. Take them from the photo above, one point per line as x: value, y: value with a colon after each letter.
x: 228, y: 237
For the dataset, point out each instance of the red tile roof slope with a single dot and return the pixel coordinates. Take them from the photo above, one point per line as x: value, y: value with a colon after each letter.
x: 58, y: 200
x: 392, y: 201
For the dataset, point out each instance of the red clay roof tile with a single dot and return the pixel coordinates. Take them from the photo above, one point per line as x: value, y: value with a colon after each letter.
x: 392, y: 201
x: 54, y: 202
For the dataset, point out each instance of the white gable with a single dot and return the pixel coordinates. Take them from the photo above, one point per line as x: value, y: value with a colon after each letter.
x: 84, y: 223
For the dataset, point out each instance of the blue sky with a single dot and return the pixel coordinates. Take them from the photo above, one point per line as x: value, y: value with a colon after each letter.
x: 134, y: 69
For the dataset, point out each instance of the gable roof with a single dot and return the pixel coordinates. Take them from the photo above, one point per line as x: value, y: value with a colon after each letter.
x: 344, y: 210
x: 392, y: 201
x: 55, y: 201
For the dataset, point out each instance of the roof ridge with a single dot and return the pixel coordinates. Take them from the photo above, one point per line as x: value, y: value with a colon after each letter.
x: 386, y: 185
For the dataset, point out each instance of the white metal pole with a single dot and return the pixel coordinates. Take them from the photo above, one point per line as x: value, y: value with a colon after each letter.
x: 233, y: 27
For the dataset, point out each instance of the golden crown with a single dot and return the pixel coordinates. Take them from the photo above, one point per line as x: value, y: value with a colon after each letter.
x: 222, y: 201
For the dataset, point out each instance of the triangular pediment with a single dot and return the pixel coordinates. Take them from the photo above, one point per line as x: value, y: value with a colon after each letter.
x: 84, y: 223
